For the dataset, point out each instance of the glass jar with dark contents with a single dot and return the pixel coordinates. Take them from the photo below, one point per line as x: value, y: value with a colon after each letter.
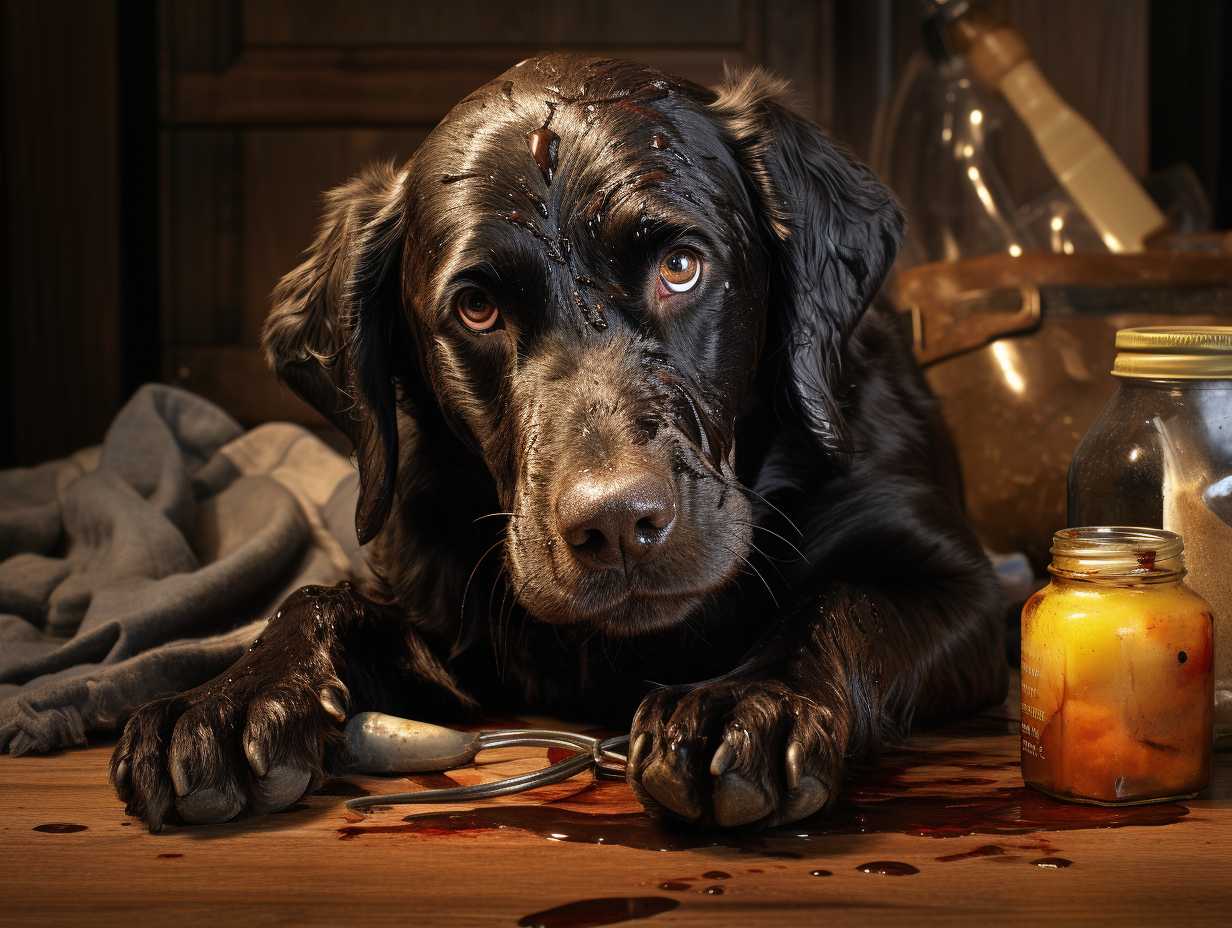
x: 1117, y: 671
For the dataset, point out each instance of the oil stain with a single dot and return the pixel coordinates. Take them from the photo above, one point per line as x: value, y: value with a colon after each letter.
x: 59, y: 828
x: 1053, y: 863
x: 592, y: 912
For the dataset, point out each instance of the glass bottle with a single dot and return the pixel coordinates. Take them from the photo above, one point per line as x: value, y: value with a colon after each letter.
x: 1117, y: 655
x: 1160, y: 454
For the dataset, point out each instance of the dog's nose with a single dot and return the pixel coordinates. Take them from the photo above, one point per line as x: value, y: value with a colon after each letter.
x: 627, y: 514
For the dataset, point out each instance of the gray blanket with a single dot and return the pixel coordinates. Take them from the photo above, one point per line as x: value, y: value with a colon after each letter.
x: 147, y: 565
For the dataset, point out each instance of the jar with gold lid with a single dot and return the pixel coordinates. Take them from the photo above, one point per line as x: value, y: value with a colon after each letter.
x: 1116, y: 671
x: 1160, y: 454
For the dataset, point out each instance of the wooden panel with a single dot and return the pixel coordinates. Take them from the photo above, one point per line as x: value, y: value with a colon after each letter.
x: 61, y: 225
x: 289, y: 172
x: 268, y: 103
x: 392, y: 87
x: 545, y: 23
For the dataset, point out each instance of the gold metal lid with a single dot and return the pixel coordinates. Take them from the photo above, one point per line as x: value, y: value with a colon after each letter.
x: 1174, y: 352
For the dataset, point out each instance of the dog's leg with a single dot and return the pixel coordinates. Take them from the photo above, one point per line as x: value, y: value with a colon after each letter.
x: 768, y: 743
x: 256, y: 737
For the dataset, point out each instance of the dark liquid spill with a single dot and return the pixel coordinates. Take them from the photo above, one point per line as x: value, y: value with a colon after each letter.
x: 674, y: 886
x: 820, y: 873
x: 986, y: 850
x: 716, y: 875
x: 59, y: 828
x: 712, y: 891
x: 169, y: 856
x: 591, y: 912
x: 1004, y: 811
x: 888, y: 868
x: 1053, y: 863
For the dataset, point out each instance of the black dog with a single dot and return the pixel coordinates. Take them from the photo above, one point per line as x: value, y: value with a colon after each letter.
x: 623, y: 424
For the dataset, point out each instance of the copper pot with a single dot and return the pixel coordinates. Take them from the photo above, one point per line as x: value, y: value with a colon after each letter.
x: 1019, y: 352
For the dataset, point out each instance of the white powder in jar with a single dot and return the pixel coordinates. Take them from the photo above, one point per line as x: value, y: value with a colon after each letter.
x: 1199, y: 510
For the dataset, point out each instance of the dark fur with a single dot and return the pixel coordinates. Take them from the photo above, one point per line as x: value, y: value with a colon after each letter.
x: 820, y: 578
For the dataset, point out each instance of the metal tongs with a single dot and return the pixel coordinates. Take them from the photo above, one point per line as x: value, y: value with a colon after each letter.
x: 379, y: 743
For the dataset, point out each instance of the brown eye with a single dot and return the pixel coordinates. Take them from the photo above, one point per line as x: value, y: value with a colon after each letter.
x: 680, y: 270
x: 476, y: 310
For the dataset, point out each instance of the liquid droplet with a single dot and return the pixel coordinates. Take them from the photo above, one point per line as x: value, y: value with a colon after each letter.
x: 888, y: 868
x: 544, y: 145
x: 820, y: 873
x: 1053, y: 863
x: 59, y: 828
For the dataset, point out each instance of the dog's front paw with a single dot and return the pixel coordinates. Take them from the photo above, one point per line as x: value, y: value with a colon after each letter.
x: 252, y: 739
x: 735, y: 753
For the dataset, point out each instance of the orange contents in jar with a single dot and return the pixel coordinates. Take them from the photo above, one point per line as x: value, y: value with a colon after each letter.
x: 1117, y: 671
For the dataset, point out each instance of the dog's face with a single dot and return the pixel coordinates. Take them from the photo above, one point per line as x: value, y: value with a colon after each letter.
x: 588, y: 286
x: 579, y: 270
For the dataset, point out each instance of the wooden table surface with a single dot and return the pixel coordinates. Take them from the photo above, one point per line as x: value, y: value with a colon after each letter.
x: 947, y: 816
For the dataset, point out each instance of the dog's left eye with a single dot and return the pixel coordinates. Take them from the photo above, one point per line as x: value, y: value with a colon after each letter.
x: 476, y: 310
x: 680, y: 269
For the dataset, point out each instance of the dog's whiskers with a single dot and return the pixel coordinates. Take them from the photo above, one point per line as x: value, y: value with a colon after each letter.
x: 492, y: 515
x: 800, y: 554
x: 737, y: 485
x: 757, y: 573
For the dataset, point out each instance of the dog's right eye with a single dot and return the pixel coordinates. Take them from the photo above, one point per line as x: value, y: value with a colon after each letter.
x: 476, y: 310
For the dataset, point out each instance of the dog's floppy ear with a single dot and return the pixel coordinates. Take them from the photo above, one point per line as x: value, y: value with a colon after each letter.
x: 337, y: 334
x: 836, y: 231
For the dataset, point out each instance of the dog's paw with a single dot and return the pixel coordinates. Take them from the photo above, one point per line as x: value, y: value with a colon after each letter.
x: 246, y: 741
x: 733, y: 754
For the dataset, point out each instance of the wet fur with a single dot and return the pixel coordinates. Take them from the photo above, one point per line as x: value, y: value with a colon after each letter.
x: 843, y: 595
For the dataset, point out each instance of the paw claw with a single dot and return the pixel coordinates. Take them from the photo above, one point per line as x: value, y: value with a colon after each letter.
x: 332, y: 702
x: 179, y: 774
x: 722, y: 759
x: 793, y: 763
x: 637, y: 750
x: 119, y: 775
x: 255, y: 751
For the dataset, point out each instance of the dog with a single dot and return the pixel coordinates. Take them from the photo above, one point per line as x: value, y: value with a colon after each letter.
x: 634, y: 444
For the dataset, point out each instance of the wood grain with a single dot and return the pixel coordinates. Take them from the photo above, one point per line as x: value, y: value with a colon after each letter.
x: 295, y: 867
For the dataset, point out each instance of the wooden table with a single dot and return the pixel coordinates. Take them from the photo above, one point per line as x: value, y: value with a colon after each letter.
x: 950, y: 806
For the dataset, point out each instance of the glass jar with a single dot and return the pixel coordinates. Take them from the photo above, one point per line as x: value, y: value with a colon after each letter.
x: 1160, y: 454
x: 1116, y: 671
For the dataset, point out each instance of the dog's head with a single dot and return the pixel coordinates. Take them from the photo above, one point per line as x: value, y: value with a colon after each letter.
x: 580, y: 272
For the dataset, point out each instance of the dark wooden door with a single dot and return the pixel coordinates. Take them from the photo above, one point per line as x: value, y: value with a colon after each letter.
x: 267, y: 103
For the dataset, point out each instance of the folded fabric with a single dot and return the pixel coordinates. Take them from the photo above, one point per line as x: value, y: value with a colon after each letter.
x: 147, y: 566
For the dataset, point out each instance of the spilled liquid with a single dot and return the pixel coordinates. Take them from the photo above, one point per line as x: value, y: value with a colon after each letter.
x: 820, y: 873
x: 986, y: 850
x: 674, y: 886
x: 169, y: 856
x: 590, y: 912
x: 894, y: 799
x: 888, y: 868
x: 1053, y: 863
x: 713, y: 891
x: 59, y: 828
